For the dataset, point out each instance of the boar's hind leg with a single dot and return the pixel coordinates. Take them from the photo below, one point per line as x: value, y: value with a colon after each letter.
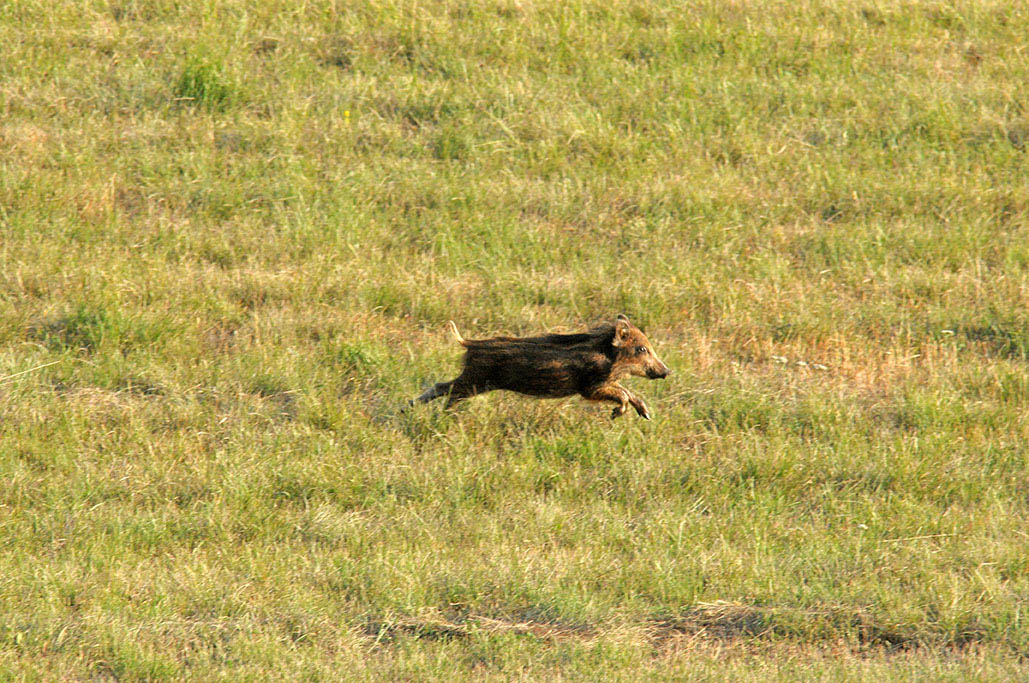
x: 454, y: 390
x: 460, y: 389
x: 435, y: 391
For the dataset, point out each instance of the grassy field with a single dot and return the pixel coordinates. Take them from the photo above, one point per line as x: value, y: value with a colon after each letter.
x: 231, y: 234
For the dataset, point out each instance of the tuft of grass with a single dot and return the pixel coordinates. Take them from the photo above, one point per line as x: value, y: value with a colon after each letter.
x: 99, y: 328
x: 204, y: 83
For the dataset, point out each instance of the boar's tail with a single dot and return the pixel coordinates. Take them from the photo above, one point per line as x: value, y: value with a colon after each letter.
x: 457, y: 335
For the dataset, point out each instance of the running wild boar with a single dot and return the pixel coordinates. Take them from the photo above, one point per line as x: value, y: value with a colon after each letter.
x: 557, y: 365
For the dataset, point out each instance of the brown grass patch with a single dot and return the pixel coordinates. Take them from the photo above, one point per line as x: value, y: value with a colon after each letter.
x: 728, y: 627
x: 440, y: 628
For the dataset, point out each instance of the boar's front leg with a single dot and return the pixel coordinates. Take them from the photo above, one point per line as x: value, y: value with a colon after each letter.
x: 620, y: 395
x: 639, y: 405
x: 609, y: 392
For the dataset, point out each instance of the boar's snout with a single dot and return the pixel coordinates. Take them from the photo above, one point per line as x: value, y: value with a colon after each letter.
x: 660, y: 372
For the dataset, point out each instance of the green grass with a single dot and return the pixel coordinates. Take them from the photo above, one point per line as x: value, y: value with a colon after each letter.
x: 235, y: 232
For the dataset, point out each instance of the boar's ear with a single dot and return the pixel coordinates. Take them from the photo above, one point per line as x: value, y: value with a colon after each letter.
x: 621, y: 331
x: 622, y: 316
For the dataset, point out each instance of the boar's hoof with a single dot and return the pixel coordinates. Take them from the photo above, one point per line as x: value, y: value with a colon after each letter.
x: 641, y: 407
x: 618, y: 411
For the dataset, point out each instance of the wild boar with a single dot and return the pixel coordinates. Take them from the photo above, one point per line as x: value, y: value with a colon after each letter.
x: 557, y: 365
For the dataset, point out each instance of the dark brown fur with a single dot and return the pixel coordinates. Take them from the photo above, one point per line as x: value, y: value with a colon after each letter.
x: 556, y: 365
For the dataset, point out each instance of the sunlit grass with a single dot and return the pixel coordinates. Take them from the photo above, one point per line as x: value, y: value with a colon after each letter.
x: 231, y: 235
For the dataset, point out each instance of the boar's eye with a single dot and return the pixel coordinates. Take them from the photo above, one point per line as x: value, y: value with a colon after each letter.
x: 640, y: 350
